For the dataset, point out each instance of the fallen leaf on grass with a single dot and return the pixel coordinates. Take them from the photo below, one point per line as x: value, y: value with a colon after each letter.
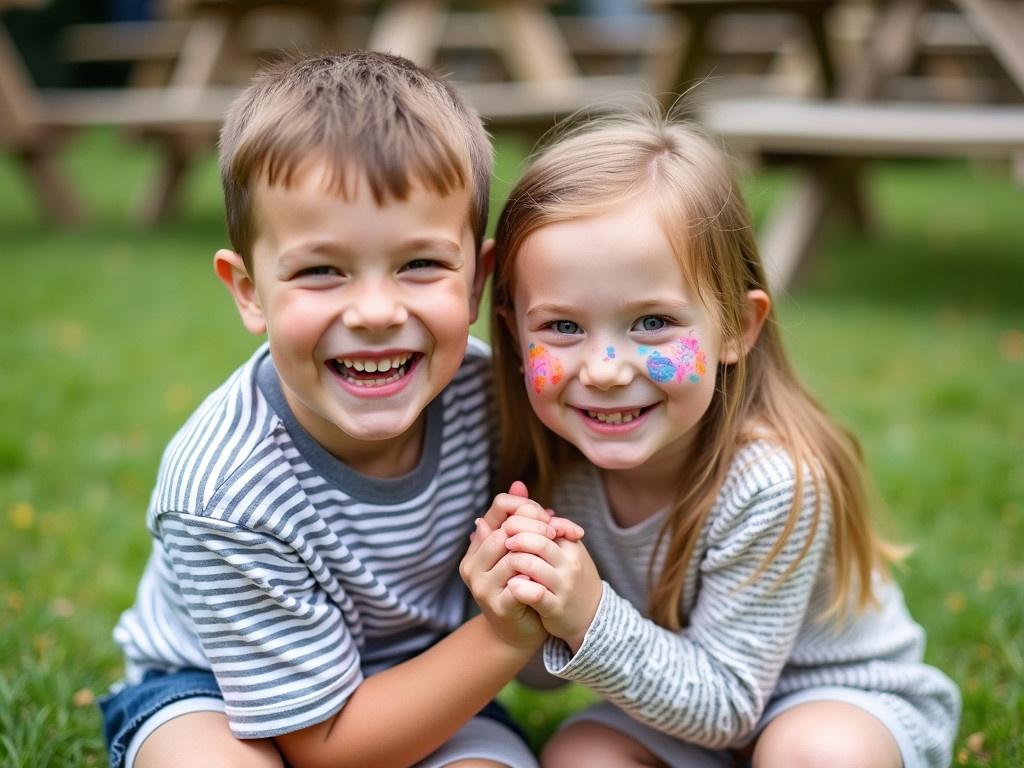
x: 22, y: 515
x: 84, y: 697
x: 1011, y: 346
x: 955, y: 602
x: 62, y: 608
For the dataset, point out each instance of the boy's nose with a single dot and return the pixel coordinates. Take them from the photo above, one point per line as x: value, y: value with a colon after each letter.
x: 606, y: 373
x: 375, y: 306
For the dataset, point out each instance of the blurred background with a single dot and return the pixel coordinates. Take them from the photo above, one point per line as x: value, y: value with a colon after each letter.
x: 881, y: 145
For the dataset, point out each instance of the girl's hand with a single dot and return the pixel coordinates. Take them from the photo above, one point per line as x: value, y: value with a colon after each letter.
x: 563, y: 585
x: 518, y: 502
x: 488, y: 574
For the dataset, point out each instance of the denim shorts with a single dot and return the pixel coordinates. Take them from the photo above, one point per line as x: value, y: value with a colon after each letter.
x: 125, y: 711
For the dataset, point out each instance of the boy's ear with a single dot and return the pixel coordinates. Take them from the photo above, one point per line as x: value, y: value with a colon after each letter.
x: 231, y: 270
x: 484, y: 267
x: 758, y: 304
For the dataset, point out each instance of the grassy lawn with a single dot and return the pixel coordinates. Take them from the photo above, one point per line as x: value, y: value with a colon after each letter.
x: 915, y: 339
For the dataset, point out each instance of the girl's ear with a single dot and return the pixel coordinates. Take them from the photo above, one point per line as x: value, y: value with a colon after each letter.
x: 755, y: 312
x: 231, y: 270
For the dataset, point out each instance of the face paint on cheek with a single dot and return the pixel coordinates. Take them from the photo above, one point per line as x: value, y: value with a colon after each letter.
x: 686, y: 361
x: 542, y: 368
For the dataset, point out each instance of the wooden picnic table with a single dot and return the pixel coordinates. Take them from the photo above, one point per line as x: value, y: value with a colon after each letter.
x: 832, y: 137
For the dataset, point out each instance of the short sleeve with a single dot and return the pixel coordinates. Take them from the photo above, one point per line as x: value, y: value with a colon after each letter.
x: 278, y: 646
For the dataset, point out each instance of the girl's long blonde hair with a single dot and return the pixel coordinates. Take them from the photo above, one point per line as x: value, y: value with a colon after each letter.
x: 685, y: 177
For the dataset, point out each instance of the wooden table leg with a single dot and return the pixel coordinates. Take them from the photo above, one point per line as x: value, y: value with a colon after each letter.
x: 59, y: 201
x: 410, y: 28
x: 794, y: 228
x: 1001, y: 24
x: 546, y: 59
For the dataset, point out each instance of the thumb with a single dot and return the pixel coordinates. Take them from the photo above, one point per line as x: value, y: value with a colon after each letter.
x: 518, y: 488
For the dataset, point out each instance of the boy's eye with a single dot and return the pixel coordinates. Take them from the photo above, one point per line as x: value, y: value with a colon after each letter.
x: 419, y: 264
x: 650, y: 323
x: 323, y: 269
x: 565, y: 326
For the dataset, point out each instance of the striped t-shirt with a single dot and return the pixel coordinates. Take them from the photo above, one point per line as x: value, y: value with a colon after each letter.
x: 745, y: 643
x: 290, y: 575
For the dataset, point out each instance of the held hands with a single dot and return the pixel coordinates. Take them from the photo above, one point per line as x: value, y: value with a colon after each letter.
x: 487, y: 572
x: 546, y: 568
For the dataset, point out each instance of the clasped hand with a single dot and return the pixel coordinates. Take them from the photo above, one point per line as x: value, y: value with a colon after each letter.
x: 530, y: 573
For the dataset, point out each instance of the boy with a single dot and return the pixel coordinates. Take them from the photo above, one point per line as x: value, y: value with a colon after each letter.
x: 303, y: 602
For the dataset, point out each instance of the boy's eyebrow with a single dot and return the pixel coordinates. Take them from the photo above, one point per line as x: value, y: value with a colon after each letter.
x: 433, y: 244
x: 335, y: 248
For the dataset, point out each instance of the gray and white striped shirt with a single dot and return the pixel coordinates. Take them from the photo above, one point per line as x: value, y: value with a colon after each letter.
x: 745, y: 643
x: 288, y: 574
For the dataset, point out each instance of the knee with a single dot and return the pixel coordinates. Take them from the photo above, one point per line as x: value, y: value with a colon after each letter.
x: 826, y: 737
x: 590, y: 745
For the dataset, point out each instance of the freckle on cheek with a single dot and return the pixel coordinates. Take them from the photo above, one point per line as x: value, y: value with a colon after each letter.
x: 542, y: 367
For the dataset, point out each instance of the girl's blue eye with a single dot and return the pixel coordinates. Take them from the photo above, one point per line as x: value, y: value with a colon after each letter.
x: 651, y: 323
x: 565, y: 326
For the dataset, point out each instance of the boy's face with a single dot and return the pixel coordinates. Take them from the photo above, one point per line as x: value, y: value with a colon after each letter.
x: 367, y: 308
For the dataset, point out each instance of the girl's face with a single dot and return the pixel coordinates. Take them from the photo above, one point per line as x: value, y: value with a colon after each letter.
x: 618, y: 353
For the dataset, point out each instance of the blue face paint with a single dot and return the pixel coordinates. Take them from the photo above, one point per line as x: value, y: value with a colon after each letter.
x: 609, y: 353
x: 660, y: 367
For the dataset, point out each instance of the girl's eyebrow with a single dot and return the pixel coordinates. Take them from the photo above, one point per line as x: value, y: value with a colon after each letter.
x: 659, y: 303
x: 552, y: 309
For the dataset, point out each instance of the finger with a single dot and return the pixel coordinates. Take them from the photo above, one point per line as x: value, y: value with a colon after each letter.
x: 491, y: 549
x: 505, y: 505
x: 518, y: 488
x: 523, y: 524
x: 527, y: 591
x: 537, y: 545
x: 532, y: 509
x: 566, y: 528
x: 536, y: 596
x: 537, y: 568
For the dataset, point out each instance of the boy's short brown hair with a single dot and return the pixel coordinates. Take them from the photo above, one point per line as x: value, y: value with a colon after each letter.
x: 367, y: 113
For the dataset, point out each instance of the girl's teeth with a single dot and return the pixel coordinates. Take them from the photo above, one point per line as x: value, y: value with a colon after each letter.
x: 619, y: 417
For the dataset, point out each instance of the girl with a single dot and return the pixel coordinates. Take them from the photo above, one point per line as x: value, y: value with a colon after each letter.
x: 745, y: 609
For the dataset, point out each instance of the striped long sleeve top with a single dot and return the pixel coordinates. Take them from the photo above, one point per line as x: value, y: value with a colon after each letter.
x: 291, y: 576
x: 744, y: 643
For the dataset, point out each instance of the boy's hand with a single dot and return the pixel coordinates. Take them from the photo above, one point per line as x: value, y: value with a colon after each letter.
x: 487, y: 573
x: 563, y: 585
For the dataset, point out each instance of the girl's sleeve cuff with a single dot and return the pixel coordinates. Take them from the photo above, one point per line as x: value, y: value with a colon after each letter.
x: 611, y: 634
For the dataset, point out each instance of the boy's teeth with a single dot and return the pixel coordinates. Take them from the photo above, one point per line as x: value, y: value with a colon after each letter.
x: 374, y: 366
x: 618, y: 417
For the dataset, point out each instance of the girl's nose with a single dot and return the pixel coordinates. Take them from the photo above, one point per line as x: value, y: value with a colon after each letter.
x: 376, y: 305
x: 604, y: 372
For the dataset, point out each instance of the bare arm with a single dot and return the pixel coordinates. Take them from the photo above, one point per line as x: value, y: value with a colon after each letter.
x: 404, y: 713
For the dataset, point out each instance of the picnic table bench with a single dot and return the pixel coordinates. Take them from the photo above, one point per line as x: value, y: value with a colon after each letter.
x: 833, y: 136
x: 831, y: 139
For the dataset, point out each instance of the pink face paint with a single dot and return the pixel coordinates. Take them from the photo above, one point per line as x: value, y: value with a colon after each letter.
x: 685, y: 361
x: 543, y: 368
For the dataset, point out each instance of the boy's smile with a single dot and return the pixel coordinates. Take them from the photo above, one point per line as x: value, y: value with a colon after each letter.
x: 366, y: 307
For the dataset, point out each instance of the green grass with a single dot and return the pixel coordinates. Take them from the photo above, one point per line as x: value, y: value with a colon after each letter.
x: 914, y: 338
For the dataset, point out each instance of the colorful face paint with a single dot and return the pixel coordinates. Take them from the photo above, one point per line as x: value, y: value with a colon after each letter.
x: 685, y: 361
x: 609, y: 353
x: 542, y: 367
